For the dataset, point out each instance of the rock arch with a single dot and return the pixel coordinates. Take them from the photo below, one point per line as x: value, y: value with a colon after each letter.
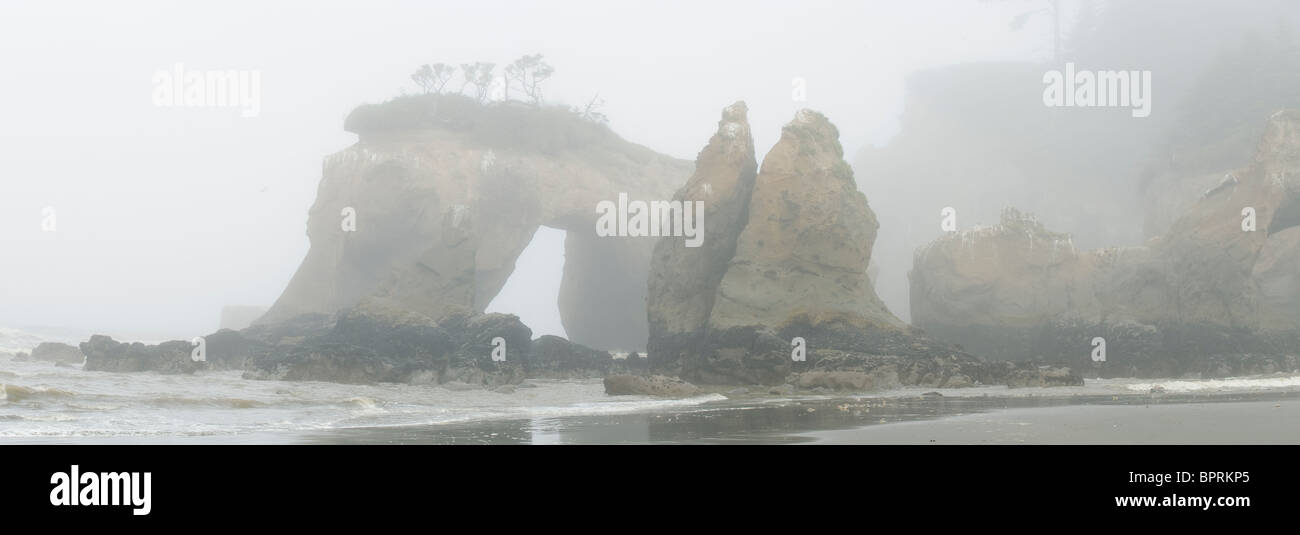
x: 442, y: 217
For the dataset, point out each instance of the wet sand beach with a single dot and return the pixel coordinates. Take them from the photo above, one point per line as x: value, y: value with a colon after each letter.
x: 1241, y: 422
x: 1262, y: 418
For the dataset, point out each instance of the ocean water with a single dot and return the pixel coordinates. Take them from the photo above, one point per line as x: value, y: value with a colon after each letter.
x: 44, y: 403
x: 41, y: 400
x: 16, y: 340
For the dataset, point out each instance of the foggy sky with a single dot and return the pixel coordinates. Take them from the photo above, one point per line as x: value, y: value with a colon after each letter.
x: 167, y: 214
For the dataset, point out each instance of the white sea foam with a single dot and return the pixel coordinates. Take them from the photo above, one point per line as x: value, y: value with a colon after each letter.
x: 41, y: 401
x: 15, y: 341
x: 1216, y: 385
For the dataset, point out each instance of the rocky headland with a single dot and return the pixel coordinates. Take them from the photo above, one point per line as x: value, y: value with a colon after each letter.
x: 1218, y: 294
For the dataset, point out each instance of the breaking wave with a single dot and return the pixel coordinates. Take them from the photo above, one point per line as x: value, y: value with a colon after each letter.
x: 1215, y: 385
x: 15, y: 393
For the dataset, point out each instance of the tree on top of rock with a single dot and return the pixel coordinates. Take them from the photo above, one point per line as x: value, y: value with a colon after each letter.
x: 433, y: 78
x: 478, y: 77
x: 528, y: 73
x: 591, y: 112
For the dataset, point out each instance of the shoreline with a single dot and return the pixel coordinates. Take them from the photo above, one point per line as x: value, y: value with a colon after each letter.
x: 1256, y: 417
x: 1229, y: 410
x: 1204, y: 422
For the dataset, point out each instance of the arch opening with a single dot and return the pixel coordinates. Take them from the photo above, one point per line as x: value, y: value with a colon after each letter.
x: 532, y: 290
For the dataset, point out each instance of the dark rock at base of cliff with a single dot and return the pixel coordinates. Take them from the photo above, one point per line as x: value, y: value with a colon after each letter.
x: 654, y: 385
x: 874, y: 373
x: 223, y: 350
x: 291, y: 331
x: 334, y: 362
x: 367, y: 345
x: 1136, y: 350
x: 738, y: 356
x: 1023, y: 374
x: 553, y: 356
x: 230, y: 350
x: 105, y: 354
x: 1237, y: 365
x: 372, y: 344
x: 841, y: 354
x: 475, y: 338
x: 57, y: 353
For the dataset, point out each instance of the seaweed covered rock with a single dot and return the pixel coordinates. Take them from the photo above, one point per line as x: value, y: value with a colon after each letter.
x: 653, y: 385
x: 372, y: 343
x: 369, y: 344
x: 105, y: 354
x: 554, y: 357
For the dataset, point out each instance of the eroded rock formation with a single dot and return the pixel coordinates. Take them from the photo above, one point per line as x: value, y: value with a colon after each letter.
x: 683, y: 281
x: 785, y: 257
x: 1210, y: 296
x: 443, y: 208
